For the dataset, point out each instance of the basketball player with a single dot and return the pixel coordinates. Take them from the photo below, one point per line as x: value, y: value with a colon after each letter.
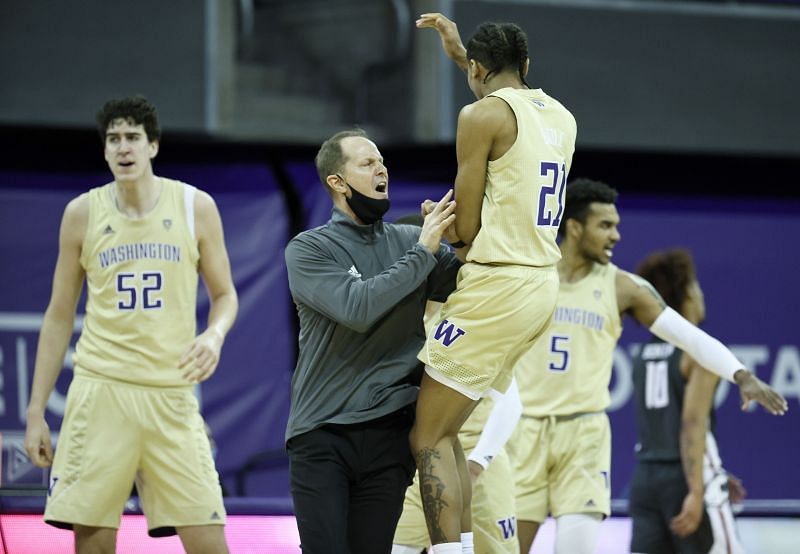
x: 139, y: 242
x: 561, y: 449
x: 514, y: 147
x: 483, y: 435
x: 674, y: 508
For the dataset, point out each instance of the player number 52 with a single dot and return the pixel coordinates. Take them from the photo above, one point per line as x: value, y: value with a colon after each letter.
x: 131, y: 295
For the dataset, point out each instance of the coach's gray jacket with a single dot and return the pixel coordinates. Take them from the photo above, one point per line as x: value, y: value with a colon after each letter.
x: 360, y: 292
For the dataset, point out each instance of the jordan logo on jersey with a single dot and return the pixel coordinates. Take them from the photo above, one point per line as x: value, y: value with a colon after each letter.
x: 447, y: 333
x: 508, y: 527
x: 167, y: 224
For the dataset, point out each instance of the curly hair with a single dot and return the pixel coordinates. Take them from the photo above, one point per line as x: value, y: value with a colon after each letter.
x: 330, y: 159
x: 670, y: 272
x: 499, y: 47
x: 579, y: 196
x: 136, y: 110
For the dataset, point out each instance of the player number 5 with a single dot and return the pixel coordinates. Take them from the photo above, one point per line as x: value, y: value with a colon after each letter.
x: 558, y: 348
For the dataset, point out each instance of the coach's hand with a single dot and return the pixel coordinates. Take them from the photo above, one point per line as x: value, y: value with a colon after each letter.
x: 37, y: 441
x: 448, y: 234
x: 440, y: 217
x: 753, y: 389
x: 687, y: 522
x: 201, y: 358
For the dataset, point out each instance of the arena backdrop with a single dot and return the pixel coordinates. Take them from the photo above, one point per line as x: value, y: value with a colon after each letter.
x: 747, y: 260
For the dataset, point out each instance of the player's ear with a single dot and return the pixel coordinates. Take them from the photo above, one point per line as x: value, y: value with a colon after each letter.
x: 525, y: 67
x: 474, y: 69
x: 574, y: 228
x: 153, y: 149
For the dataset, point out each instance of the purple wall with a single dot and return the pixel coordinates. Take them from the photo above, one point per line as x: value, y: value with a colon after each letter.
x: 246, y: 401
x: 746, y: 255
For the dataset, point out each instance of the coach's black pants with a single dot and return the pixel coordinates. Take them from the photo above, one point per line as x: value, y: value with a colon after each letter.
x: 348, y: 484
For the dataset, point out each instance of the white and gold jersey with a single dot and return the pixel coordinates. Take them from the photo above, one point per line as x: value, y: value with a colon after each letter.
x: 568, y: 369
x: 141, y: 276
x: 524, y: 197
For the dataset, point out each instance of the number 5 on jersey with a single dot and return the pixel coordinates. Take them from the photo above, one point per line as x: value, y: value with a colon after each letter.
x: 559, y: 355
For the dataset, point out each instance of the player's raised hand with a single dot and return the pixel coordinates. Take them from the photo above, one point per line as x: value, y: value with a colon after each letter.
x: 448, y: 32
x: 37, y: 441
x: 753, y: 389
x: 437, y: 221
x: 201, y: 358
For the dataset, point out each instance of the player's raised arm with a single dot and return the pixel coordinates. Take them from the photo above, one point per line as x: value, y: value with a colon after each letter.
x: 639, y: 298
x: 448, y: 32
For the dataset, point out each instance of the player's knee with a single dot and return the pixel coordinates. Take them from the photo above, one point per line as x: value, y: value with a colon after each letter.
x: 94, y: 539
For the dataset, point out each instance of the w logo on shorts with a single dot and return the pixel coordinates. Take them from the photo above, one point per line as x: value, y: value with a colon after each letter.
x: 508, y: 527
x: 447, y: 333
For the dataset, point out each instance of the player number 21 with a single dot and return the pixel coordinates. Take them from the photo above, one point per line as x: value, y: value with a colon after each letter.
x: 556, y: 188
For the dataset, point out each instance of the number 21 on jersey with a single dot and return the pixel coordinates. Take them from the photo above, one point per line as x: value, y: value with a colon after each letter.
x: 557, y: 171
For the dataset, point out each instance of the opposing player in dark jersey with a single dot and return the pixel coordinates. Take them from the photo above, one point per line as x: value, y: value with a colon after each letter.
x: 680, y: 496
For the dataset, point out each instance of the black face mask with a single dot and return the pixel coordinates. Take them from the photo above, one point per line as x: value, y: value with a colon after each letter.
x: 368, y: 210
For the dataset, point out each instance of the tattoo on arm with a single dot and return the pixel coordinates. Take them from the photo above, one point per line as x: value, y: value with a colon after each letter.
x: 432, y: 491
x: 653, y: 292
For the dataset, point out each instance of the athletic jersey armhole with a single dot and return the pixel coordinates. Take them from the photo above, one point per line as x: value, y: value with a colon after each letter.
x: 188, y: 204
x: 95, y: 199
x: 515, y: 145
x: 614, y: 270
